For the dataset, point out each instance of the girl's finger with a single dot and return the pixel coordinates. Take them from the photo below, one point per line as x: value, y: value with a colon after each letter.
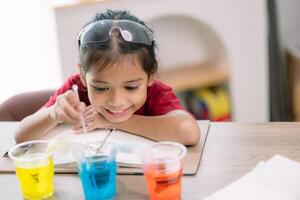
x: 76, y: 126
x: 68, y: 109
x: 71, y: 105
x: 77, y: 131
x: 90, y: 117
x: 66, y: 118
x: 90, y: 127
x: 72, y: 98
x: 89, y: 110
x: 81, y: 107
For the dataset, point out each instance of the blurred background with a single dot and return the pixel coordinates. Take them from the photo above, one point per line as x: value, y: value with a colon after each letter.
x: 227, y: 60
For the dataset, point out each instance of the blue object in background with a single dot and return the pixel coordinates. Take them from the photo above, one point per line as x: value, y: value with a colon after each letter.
x: 196, y: 106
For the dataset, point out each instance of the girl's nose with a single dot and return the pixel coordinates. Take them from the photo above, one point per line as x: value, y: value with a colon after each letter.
x: 116, y: 99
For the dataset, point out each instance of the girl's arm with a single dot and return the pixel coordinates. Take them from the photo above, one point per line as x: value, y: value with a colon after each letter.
x: 66, y: 109
x: 35, y: 126
x: 177, y: 126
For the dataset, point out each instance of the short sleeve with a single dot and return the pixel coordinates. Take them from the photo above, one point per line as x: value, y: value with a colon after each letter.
x: 162, y: 99
x: 65, y: 87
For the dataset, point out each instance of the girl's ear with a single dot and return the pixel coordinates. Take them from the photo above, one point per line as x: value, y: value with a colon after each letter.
x: 151, y: 80
x: 82, y: 75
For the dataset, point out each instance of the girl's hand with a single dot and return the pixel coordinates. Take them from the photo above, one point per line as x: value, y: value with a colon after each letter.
x: 93, y: 120
x: 67, y: 108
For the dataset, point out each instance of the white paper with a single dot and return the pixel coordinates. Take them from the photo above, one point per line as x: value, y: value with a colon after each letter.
x: 276, y: 179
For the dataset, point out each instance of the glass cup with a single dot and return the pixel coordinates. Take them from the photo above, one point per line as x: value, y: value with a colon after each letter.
x: 34, y: 168
x: 97, y: 170
x: 163, y: 170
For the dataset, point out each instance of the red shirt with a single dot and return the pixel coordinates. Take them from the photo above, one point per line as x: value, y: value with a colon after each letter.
x: 160, y: 98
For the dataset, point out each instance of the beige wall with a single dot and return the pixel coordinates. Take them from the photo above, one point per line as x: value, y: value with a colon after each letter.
x: 240, y: 25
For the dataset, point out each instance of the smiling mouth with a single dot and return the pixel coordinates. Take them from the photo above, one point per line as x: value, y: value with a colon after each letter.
x: 117, y: 113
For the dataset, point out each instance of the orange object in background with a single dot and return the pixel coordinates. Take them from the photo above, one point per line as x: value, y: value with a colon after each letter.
x: 162, y: 184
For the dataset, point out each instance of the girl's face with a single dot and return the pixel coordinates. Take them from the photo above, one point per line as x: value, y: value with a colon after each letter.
x: 118, y: 90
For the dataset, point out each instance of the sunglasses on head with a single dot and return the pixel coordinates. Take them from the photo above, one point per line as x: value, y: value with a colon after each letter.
x: 100, y: 31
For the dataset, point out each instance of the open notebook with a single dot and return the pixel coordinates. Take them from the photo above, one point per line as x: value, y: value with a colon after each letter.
x: 65, y: 136
x: 128, y: 163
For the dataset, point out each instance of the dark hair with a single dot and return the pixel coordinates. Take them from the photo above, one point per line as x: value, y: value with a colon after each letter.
x: 110, y: 51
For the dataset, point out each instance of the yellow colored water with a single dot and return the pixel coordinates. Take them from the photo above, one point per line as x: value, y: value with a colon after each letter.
x: 36, y: 177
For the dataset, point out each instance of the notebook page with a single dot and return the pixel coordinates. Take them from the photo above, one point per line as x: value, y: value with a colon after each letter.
x: 124, y: 158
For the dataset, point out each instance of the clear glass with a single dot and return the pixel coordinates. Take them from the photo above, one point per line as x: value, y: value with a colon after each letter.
x: 163, y: 170
x: 97, y: 170
x: 34, y: 168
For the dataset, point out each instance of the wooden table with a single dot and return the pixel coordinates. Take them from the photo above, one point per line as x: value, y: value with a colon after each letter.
x: 234, y: 149
x: 231, y: 150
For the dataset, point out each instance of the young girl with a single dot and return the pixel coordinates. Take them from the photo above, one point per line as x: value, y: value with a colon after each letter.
x: 116, y: 87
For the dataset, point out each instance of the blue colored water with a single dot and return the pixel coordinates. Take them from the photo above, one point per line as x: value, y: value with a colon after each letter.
x: 98, y: 177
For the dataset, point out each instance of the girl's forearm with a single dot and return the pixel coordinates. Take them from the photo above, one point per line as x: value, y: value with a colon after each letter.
x: 35, y: 126
x: 182, y: 128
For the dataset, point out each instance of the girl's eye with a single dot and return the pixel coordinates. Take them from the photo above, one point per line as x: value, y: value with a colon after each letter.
x: 101, y: 89
x: 131, y: 87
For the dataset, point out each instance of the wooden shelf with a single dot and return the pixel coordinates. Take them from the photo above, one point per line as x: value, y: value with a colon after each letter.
x: 195, y: 76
